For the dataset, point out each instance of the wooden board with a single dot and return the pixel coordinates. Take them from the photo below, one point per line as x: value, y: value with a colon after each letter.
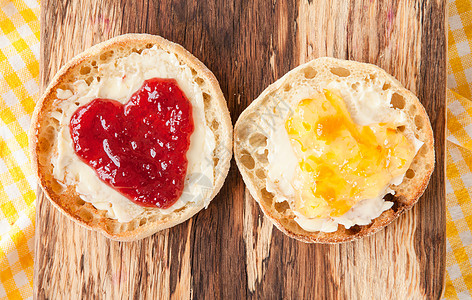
x: 230, y: 250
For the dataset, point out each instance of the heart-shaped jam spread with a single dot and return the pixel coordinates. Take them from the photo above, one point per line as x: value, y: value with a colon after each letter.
x: 138, y: 148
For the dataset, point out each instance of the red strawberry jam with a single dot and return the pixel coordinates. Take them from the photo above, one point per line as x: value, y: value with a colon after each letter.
x: 138, y: 148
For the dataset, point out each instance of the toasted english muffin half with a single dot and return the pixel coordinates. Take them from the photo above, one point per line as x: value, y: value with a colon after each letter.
x: 86, y: 69
x: 252, y: 136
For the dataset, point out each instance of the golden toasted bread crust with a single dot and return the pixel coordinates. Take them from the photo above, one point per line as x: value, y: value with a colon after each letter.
x: 42, y: 138
x: 250, y: 140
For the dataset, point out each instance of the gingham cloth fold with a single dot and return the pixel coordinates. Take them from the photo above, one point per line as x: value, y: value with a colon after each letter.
x: 19, y: 67
x: 19, y: 88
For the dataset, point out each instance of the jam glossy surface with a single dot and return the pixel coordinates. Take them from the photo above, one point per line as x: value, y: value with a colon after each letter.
x: 341, y: 162
x: 138, y: 148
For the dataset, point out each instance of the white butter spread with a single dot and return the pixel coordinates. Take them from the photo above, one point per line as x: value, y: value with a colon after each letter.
x: 369, y: 104
x: 119, y: 79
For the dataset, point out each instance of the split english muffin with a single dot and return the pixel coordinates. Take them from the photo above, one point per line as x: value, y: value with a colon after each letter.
x: 334, y: 150
x: 132, y: 136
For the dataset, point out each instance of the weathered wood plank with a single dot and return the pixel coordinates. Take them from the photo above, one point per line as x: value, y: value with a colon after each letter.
x: 231, y: 249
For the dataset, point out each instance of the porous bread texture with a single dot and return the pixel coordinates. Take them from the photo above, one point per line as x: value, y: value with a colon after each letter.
x: 44, y: 131
x: 251, y: 147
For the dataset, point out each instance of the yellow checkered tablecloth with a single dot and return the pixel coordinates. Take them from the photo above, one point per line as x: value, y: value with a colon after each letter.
x: 19, y: 87
x: 459, y: 152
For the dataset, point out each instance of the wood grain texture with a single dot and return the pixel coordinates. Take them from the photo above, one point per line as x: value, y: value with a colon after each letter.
x: 231, y: 250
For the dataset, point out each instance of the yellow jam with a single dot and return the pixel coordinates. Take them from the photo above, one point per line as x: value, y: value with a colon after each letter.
x: 340, y: 162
